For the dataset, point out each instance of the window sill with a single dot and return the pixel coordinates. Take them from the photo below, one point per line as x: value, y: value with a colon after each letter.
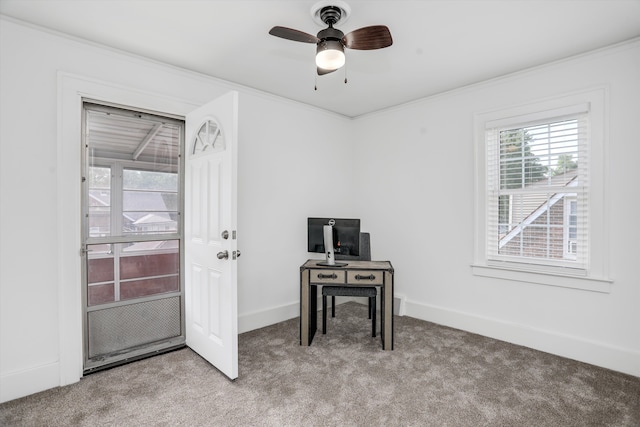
x: 544, y: 278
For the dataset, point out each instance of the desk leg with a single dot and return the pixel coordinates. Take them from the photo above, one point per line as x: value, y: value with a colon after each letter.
x: 313, y: 311
x: 382, y: 317
x: 387, y: 315
x: 308, y: 309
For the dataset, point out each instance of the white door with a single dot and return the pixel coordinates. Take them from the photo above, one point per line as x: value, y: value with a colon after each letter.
x: 210, y: 233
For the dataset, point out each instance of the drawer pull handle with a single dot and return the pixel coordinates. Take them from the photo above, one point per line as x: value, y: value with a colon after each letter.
x: 327, y: 276
x: 369, y: 277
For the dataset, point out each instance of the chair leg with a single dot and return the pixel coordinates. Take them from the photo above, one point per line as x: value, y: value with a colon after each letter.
x: 369, y: 307
x: 333, y: 306
x: 372, y: 312
x: 324, y: 314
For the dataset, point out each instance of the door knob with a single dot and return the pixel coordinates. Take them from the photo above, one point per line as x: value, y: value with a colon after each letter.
x: 238, y: 253
x: 223, y: 255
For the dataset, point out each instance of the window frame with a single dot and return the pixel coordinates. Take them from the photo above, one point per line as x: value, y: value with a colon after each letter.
x: 567, y: 240
x: 595, y: 276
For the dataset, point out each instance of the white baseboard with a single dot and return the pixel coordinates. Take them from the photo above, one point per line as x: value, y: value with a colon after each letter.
x: 399, y: 304
x: 18, y: 384
x: 259, y: 319
x: 572, y: 347
x: 14, y: 385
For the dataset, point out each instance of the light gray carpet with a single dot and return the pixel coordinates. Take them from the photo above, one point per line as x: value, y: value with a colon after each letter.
x: 436, y: 376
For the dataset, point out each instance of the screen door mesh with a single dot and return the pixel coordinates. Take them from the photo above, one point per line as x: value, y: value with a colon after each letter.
x: 121, y: 328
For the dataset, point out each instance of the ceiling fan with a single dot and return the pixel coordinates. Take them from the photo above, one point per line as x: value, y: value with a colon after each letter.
x: 330, y: 42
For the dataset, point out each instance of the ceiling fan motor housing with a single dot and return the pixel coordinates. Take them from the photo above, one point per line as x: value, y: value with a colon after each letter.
x: 330, y: 34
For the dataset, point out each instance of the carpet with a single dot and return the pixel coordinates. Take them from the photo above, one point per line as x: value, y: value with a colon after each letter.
x: 435, y: 376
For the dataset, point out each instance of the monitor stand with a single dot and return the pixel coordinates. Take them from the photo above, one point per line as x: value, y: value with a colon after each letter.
x: 335, y: 264
x: 328, y: 244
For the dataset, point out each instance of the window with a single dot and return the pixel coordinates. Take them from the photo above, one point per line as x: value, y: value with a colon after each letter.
x: 540, y: 193
x: 533, y: 170
x: 150, y: 202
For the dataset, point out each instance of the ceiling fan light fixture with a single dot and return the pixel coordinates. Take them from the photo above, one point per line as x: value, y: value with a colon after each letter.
x: 330, y: 55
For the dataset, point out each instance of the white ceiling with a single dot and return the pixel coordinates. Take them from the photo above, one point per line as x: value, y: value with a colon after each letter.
x: 439, y: 45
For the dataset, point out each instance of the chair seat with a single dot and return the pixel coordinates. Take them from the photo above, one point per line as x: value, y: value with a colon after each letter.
x: 349, y: 291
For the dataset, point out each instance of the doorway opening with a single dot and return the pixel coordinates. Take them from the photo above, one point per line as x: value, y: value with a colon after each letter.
x: 132, y: 234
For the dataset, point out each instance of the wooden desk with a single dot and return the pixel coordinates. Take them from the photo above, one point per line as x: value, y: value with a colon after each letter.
x: 355, y: 273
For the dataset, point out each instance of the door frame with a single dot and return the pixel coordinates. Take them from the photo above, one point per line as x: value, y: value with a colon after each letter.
x: 72, y: 90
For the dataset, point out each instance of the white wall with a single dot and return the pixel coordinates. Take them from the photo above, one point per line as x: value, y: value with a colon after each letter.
x: 289, y: 168
x: 283, y: 149
x: 424, y: 213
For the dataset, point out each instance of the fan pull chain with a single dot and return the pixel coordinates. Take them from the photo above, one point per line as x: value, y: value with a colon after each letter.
x: 315, y: 84
x: 345, y: 73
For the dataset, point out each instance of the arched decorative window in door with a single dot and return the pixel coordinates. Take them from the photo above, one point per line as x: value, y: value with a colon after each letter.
x: 208, y: 138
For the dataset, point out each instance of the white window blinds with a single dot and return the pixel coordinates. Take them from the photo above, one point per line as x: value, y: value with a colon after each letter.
x: 538, y: 189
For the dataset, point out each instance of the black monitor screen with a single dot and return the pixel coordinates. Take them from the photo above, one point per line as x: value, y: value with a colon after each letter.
x: 346, y: 236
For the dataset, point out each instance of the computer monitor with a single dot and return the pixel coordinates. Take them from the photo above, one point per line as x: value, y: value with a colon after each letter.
x: 346, y: 236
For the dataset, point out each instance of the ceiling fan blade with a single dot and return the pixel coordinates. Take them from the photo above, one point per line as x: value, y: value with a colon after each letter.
x: 295, y: 35
x: 322, y: 71
x: 368, y: 38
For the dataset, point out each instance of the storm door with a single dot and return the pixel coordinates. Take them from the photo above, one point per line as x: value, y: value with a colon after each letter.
x: 133, y: 293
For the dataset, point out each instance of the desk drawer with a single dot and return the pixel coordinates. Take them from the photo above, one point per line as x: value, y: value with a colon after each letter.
x: 326, y: 276
x: 365, y: 277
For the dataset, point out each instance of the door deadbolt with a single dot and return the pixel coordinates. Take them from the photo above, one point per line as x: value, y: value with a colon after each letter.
x: 225, y: 234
